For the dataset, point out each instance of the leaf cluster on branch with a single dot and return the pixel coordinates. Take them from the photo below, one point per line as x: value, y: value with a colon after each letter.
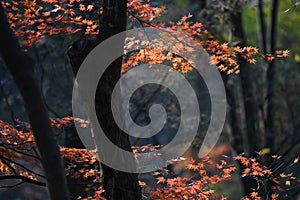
x: 33, y: 20
x: 18, y: 153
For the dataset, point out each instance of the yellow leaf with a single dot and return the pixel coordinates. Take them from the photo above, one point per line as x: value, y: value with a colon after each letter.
x: 264, y: 151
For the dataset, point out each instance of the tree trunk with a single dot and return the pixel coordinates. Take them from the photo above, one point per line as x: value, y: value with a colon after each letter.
x: 270, y: 125
x: 117, y: 184
x: 239, y: 140
x: 21, y: 67
x: 271, y: 96
x: 262, y: 27
x: 249, y: 100
x: 248, y: 89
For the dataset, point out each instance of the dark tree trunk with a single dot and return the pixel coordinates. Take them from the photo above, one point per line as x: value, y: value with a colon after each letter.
x: 249, y: 100
x: 270, y: 124
x: 21, y: 67
x: 262, y: 26
x: 233, y: 98
x: 248, y: 90
x: 271, y: 95
x: 117, y: 184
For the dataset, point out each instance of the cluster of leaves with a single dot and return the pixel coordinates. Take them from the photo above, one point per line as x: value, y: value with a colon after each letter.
x: 207, y: 173
x: 198, y: 185
x: 274, y: 175
x: 222, y: 55
x: 20, y: 159
x: 34, y: 20
x: 17, y: 147
x: 145, y: 148
x: 19, y: 154
x: 66, y: 121
x: 143, y: 11
x: 82, y: 164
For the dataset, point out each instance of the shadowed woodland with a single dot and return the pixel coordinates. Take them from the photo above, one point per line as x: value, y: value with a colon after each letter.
x: 254, y: 45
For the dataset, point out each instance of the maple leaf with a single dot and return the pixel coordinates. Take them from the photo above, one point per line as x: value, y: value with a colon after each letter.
x: 89, y: 7
x: 81, y: 7
x: 142, y: 184
x: 254, y: 195
x: 245, y: 198
x: 285, y: 53
x: 156, y: 173
x: 252, y: 61
x: 160, y: 179
x: 288, y: 183
x: 192, y: 167
x: 71, y: 12
x: 274, y: 196
x: 247, y: 171
x: 46, y: 14
x: 275, y: 180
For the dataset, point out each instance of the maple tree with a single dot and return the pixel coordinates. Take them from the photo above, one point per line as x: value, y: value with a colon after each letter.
x: 34, y: 20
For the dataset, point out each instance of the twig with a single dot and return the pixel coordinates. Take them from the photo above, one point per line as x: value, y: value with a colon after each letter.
x: 23, y: 178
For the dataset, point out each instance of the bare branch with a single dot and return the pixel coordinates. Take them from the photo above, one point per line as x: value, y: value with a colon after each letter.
x: 23, y: 178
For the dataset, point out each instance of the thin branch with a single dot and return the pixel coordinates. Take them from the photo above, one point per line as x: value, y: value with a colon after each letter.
x: 140, y: 20
x: 20, y: 165
x: 21, y: 152
x: 23, y: 178
x: 12, y: 186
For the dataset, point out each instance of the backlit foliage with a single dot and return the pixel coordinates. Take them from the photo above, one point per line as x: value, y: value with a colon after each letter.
x: 20, y: 158
x: 19, y: 154
x: 276, y: 175
x: 33, y: 20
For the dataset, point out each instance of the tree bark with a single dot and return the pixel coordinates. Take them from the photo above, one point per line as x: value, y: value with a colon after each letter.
x: 249, y: 101
x: 262, y: 26
x: 271, y: 118
x: 21, y: 67
x: 248, y: 90
x: 117, y: 184
x: 271, y: 96
x: 239, y: 140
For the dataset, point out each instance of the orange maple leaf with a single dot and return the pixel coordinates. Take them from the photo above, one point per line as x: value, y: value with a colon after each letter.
x: 160, y: 179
